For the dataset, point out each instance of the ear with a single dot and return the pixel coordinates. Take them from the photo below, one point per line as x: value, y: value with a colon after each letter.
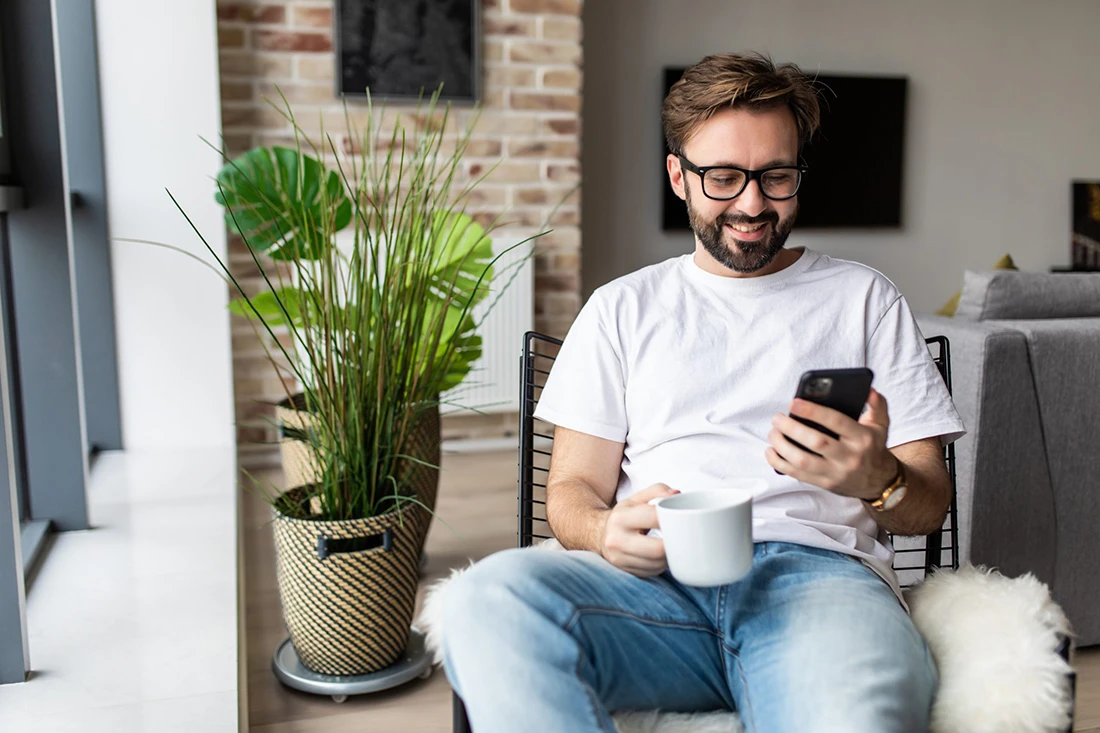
x: 675, y: 175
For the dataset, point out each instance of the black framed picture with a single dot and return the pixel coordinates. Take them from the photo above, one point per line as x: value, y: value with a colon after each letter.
x: 397, y: 48
x: 1085, y: 246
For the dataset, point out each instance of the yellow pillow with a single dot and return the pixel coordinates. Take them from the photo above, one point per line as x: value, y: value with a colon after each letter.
x: 948, y: 309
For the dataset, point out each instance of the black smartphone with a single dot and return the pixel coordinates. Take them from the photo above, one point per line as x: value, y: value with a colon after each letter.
x: 844, y: 390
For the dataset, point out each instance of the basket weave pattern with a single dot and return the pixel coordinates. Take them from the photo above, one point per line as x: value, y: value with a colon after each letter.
x: 349, y: 613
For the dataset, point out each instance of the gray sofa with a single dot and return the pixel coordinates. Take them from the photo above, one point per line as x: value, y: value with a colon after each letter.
x: 1025, y: 352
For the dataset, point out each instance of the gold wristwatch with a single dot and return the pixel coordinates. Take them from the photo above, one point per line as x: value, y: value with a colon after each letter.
x: 893, y: 494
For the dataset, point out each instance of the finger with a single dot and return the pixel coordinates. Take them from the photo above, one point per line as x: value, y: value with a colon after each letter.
x: 827, y: 417
x: 653, y: 492
x: 812, y: 438
x: 782, y: 465
x: 637, y: 554
x: 647, y: 571
x: 779, y: 463
x: 876, y: 412
x: 802, y: 462
x: 643, y: 548
x: 636, y: 517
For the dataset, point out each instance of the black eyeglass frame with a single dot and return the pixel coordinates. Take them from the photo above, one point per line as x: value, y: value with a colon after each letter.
x: 750, y: 175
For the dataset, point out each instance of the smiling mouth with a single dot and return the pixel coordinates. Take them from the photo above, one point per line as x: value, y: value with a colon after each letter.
x: 749, y: 232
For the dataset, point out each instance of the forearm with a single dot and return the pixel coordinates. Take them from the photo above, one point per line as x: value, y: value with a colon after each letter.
x: 927, y: 499
x: 576, y: 514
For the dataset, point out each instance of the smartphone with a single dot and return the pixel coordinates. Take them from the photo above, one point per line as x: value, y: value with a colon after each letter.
x: 844, y: 390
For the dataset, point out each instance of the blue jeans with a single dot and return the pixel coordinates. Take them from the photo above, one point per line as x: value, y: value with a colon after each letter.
x: 810, y: 640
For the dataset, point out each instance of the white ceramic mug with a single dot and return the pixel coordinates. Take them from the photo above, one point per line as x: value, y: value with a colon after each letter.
x: 708, y: 533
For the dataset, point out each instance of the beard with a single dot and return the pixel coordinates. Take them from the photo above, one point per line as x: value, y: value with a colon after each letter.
x: 741, y: 257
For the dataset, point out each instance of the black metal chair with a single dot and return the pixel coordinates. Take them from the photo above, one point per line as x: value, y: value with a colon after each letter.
x: 914, y: 557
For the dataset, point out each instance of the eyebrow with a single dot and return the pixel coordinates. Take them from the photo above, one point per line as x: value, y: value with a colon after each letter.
x: 775, y: 163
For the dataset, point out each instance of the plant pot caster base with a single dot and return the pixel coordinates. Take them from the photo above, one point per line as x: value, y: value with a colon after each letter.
x: 416, y: 664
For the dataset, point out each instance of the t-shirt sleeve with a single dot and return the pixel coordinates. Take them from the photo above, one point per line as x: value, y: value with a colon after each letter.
x: 586, y: 388
x: 917, y: 398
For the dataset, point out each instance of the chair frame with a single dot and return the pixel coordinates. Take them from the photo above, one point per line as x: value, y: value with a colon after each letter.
x: 537, y: 354
x: 535, y: 348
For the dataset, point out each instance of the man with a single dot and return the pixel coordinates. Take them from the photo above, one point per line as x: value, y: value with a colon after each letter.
x: 678, y: 377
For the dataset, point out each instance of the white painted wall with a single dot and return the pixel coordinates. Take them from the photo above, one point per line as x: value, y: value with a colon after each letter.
x: 158, y: 70
x: 1004, y: 104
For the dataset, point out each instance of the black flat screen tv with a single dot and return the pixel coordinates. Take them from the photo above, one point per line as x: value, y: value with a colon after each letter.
x: 855, y: 160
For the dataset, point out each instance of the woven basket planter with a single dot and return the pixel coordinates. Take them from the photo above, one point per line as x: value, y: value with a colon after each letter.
x: 300, y: 463
x: 348, y: 587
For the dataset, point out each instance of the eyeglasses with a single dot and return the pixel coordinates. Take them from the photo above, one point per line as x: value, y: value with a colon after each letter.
x: 723, y: 182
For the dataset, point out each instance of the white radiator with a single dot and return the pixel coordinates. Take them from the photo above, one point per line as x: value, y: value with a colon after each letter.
x: 493, y: 384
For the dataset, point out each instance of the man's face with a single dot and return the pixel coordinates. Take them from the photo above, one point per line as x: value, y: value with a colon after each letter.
x: 746, y: 233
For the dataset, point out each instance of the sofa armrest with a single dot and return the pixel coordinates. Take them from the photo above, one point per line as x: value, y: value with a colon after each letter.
x: 1005, y: 499
x: 1064, y: 354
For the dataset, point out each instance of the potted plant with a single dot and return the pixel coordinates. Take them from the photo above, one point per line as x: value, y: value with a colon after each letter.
x: 382, y: 324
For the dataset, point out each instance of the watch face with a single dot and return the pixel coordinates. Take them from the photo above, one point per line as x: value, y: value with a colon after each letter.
x: 895, y: 497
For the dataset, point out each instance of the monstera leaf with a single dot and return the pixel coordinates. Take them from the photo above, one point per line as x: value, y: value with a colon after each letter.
x: 458, y: 328
x: 460, y: 280
x: 284, y: 203
x: 464, y: 251
x: 272, y: 307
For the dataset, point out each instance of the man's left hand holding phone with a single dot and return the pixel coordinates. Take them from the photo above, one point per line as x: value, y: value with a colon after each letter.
x: 856, y: 461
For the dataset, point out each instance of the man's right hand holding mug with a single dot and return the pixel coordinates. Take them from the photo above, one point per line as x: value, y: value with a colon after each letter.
x: 624, y: 539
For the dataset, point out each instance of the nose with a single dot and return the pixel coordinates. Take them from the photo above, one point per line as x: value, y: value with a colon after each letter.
x: 751, y: 201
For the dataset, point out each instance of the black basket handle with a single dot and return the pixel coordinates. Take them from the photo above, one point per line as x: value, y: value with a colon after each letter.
x: 327, y: 546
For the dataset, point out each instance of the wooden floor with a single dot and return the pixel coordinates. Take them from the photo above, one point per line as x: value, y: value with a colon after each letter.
x: 477, y: 498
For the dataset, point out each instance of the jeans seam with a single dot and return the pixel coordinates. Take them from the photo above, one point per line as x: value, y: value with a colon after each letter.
x: 581, y: 610
x: 751, y: 727
x: 719, y: 622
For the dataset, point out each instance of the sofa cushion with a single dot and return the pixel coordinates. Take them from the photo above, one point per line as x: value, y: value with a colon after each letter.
x: 948, y: 309
x: 1005, y: 294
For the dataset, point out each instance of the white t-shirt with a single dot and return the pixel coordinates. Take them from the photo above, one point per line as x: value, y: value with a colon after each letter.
x: 687, y: 369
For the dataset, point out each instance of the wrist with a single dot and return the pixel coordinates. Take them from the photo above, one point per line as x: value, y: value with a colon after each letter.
x: 602, y: 516
x: 893, y: 494
x: 884, y: 479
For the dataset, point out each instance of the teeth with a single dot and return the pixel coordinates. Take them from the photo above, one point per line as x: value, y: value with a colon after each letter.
x: 746, y: 229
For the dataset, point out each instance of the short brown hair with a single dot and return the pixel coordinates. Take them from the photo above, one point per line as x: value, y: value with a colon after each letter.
x: 728, y: 80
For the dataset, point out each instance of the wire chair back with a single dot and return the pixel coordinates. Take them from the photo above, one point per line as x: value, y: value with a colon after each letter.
x: 914, y: 556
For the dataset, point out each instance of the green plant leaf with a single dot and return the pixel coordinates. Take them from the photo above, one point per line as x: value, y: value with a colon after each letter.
x: 467, y: 351
x: 270, y: 306
x: 457, y: 328
x: 459, y: 279
x: 284, y: 203
x: 464, y: 252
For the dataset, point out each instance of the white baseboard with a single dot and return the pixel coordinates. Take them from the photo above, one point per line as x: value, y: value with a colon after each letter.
x: 480, y: 445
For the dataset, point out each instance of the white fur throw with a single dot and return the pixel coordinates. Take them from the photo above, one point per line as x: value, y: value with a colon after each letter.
x: 995, y: 642
x: 994, y: 639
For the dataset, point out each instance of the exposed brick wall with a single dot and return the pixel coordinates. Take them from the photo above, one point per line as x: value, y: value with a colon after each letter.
x: 531, y: 99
